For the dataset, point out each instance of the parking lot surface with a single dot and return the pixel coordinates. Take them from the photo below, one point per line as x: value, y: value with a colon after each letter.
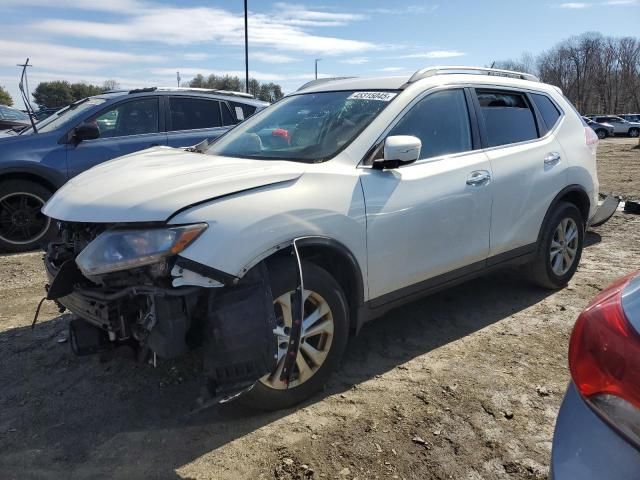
x: 463, y: 384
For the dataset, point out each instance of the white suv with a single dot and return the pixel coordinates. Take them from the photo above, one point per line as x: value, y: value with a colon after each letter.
x: 337, y: 203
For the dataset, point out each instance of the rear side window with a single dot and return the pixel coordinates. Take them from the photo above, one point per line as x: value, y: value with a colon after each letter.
x: 548, y: 110
x: 242, y: 111
x: 441, y: 122
x: 227, y: 117
x: 508, y: 118
x: 193, y: 113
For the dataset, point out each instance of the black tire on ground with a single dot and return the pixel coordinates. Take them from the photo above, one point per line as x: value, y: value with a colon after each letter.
x: 602, y: 133
x: 22, y: 226
x: 318, y: 280
x: 634, y: 132
x: 540, y: 270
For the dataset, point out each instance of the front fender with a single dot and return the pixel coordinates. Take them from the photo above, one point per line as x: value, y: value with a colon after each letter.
x: 249, y: 227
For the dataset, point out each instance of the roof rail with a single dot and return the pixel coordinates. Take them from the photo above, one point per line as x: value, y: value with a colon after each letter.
x: 190, y: 89
x: 320, y: 81
x: 431, y: 71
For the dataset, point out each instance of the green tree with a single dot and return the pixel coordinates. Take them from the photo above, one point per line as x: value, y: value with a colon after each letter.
x: 60, y: 93
x: 56, y: 94
x: 110, y: 85
x: 5, y: 98
x: 269, y: 92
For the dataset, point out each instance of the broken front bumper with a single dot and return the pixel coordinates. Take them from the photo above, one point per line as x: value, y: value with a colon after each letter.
x: 605, y: 211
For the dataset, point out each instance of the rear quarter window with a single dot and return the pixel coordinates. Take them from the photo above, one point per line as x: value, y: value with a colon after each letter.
x: 508, y: 117
x: 548, y: 110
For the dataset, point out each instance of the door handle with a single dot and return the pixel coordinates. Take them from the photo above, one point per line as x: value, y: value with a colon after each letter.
x: 551, y: 159
x: 478, y: 178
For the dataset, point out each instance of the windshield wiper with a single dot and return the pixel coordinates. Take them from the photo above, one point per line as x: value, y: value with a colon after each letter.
x: 25, y: 98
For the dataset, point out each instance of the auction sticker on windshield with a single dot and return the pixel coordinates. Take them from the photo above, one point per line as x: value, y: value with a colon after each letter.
x: 380, y: 96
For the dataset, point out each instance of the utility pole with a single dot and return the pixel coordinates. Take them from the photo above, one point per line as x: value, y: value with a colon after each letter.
x: 246, y: 49
x: 317, y: 60
x: 178, y: 78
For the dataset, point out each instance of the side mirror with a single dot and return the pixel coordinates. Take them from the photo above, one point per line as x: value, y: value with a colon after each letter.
x: 86, y: 131
x: 399, y: 150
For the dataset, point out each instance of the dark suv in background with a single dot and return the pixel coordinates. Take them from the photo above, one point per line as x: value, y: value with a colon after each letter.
x: 96, y: 129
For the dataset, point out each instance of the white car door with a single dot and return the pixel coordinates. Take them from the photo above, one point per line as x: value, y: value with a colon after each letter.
x: 431, y: 217
x: 528, y: 163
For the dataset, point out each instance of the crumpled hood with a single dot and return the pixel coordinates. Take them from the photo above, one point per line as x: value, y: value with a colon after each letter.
x: 152, y: 185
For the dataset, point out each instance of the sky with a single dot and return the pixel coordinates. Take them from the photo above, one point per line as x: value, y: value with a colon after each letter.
x: 145, y: 42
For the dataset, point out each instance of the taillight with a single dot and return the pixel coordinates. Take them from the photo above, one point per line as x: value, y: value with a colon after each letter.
x: 604, y: 359
x: 591, y: 138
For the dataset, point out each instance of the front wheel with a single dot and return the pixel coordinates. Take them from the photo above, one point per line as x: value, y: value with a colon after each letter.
x: 634, y: 132
x: 560, y: 247
x: 23, y: 226
x: 602, y: 133
x: 325, y: 330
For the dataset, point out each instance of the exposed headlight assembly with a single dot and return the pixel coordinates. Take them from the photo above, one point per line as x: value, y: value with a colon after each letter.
x: 116, y: 250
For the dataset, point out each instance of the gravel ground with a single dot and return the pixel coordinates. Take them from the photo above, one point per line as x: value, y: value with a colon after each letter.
x: 465, y: 384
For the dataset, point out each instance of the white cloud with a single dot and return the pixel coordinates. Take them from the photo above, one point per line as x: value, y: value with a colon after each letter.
x: 392, y: 69
x: 435, y: 54
x: 196, y: 56
x: 575, y: 5
x: 356, y: 60
x: 408, y: 10
x: 267, y: 57
x: 622, y: 2
x: 186, y: 26
x: 66, y: 59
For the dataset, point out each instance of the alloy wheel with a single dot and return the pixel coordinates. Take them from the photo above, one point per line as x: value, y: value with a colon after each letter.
x: 21, y: 220
x: 315, y: 341
x: 564, y: 246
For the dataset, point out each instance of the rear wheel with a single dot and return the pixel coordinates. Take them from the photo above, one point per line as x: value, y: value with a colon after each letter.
x: 560, y: 247
x: 634, y: 132
x: 325, y: 330
x: 23, y: 226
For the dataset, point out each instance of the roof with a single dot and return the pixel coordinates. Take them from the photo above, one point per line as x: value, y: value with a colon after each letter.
x: 436, y: 75
x: 240, y: 97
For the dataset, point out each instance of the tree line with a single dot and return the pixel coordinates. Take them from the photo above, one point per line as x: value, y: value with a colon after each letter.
x: 269, y: 92
x: 59, y: 93
x: 597, y: 74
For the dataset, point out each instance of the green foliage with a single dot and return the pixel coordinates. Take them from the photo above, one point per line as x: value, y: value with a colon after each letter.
x: 269, y: 92
x: 5, y: 98
x: 58, y: 94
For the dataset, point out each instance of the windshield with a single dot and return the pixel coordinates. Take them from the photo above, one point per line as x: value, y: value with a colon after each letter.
x: 65, y: 115
x: 311, y: 127
x: 7, y: 113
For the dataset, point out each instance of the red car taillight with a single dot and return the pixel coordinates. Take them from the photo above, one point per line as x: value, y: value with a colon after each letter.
x: 604, y: 359
x: 591, y: 139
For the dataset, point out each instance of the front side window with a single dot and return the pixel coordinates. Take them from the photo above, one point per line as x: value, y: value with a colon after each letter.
x: 136, y: 117
x: 441, y: 122
x: 194, y: 113
x: 548, y: 110
x: 508, y: 118
x: 309, y: 127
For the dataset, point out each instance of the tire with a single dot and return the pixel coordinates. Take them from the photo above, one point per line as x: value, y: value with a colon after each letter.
x: 323, y: 286
x: 634, y: 132
x: 23, y: 227
x: 555, y: 271
x: 602, y: 133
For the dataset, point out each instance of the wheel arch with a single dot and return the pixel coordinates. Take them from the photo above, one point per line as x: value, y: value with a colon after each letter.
x: 574, y: 194
x: 49, y: 180
x: 336, y: 259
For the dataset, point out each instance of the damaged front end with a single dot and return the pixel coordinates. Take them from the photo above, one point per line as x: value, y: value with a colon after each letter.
x: 130, y: 288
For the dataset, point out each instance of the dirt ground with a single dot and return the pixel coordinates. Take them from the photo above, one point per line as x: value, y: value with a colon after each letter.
x: 465, y: 384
